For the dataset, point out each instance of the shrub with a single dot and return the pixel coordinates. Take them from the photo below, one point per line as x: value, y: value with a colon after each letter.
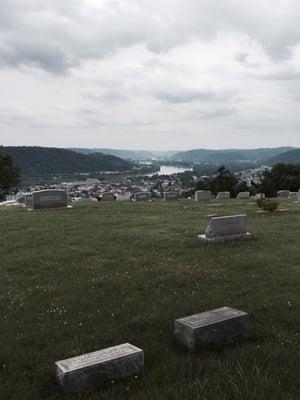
x: 268, y: 204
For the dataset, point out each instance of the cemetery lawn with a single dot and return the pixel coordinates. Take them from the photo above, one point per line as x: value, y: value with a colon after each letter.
x: 78, y: 280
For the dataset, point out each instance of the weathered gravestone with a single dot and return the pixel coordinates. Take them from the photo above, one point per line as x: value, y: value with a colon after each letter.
x: 298, y: 196
x: 28, y: 200
x: 293, y: 195
x: 171, y: 196
x: 283, y: 194
x: 243, y: 195
x: 259, y: 196
x: 223, y: 195
x: 108, y: 196
x: 49, y: 198
x: 211, y: 328
x: 221, y: 229
x: 142, y: 196
x: 203, y: 195
x: 90, y: 371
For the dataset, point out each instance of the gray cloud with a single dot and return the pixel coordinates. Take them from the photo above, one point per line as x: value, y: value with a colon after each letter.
x: 147, y: 74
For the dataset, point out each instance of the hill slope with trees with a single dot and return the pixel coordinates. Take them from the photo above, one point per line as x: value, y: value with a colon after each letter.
x: 44, y: 161
x: 288, y: 157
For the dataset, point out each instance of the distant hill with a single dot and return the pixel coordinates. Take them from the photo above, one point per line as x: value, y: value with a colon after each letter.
x: 229, y: 155
x: 288, y: 157
x: 44, y: 161
x: 135, y: 155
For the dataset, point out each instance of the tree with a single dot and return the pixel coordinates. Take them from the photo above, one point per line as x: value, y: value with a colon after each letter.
x: 280, y: 177
x: 9, y: 175
x: 224, y: 181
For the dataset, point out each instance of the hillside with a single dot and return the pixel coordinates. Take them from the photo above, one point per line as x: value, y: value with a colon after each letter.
x: 220, y: 156
x: 288, y: 157
x: 79, y: 280
x: 135, y: 155
x: 44, y: 161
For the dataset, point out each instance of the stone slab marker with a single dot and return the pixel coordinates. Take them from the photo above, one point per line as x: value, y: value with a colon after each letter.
x: 243, y: 195
x: 259, y: 196
x: 142, y: 196
x: 203, y: 195
x: 283, y: 194
x: 221, y: 229
x: 223, y: 195
x: 293, y: 195
x: 89, y: 371
x: 49, y: 198
x: 171, y: 196
x: 211, y: 328
x: 108, y: 196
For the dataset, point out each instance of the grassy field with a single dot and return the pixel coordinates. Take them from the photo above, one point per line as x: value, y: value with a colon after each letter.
x: 101, y: 274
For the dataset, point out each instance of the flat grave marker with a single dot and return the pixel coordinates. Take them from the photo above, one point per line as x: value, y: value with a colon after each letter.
x: 211, y: 328
x: 90, y: 371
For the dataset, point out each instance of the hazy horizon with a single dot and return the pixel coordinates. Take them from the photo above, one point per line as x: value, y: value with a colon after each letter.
x: 159, y: 76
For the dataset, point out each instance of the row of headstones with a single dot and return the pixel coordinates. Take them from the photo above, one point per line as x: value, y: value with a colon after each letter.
x: 51, y: 198
x: 93, y: 370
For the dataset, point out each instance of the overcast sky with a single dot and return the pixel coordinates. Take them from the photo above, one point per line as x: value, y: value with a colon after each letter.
x: 141, y: 74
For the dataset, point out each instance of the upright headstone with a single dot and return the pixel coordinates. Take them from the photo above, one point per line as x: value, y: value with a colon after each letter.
x: 223, y: 195
x: 142, y: 196
x: 203, y: 195
x: 28, y: 200
x: 298, y: 196
x: 49, y: 198
x: 221, y: 229
x: 211, y: 328
x: 283, y: 194
x: 293, y: 196
x: 90, y: 371
x: 168, y: 196
x: 243, y: 196
x: 108, y: 196
x: 259, y: 196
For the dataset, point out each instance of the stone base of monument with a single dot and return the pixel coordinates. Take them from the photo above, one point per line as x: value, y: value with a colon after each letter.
x: 211, y: 328
x: 93, y: 370
x: 225, y: 238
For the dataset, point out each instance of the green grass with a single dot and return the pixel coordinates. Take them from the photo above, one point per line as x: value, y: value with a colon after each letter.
x: 76, y: 281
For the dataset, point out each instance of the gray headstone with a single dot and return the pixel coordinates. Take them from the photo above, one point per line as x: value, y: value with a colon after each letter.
x: 28, y: 200
x: 108, y: 196
x: 259, y: 196
x: 49, y: 198
x: 203, y: 195
x: 298, y: 196
x: 293, y: 195
x: 171, y: 196
x: 89, y: 371
x: 226, y: 228
x: 223, y: 195
x: 211, y: 328
x: 283, y: 194
x: 142, y: 196
x: 243, y: 195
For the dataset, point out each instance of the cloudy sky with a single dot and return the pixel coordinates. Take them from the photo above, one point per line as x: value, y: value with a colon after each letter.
x: 141, y: 74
